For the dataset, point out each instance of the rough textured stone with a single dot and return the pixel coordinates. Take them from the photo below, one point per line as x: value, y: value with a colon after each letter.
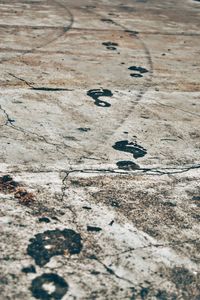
x: 99, y: 152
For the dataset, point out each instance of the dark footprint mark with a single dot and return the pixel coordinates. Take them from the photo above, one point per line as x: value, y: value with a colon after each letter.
x: 53, y: 242
x: 127, y: 165
x: 110, y: 45
x: 126, y: 146
x: 95, y: 94
x: 59, y: 284
x: 139, y: 71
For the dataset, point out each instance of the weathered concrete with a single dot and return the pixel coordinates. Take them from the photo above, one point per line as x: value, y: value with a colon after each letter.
x: 99, y: 116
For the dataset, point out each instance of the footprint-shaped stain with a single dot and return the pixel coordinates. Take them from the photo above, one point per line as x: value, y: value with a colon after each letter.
x: 110, y: 45
x: 54, y: 242
x: 138, y: 71
x: 96, y: 93
x: 49, y: 286
x: 134, y: 148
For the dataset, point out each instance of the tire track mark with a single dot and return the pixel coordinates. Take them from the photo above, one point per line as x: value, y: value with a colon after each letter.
x: 145, y: 87
x: 46, y: 43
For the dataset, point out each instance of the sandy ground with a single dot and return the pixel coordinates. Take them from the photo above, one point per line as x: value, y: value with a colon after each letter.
x: 100, y: 149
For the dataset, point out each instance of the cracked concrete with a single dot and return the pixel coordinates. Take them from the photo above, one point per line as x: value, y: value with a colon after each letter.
x: 99, y: 152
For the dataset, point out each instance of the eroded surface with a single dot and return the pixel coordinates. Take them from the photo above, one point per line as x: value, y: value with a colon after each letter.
x: 99, y: 152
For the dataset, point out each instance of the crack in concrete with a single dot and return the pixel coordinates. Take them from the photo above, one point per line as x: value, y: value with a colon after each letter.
x: 63, y: 189
x: 9, y: 123
x: 174, y: 243
x: 109, y: 270
x: 31, y: 85
x: 141, y: 171
x: 173, y: 107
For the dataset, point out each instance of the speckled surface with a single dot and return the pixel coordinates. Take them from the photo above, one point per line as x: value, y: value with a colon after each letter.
x: 99, y: 152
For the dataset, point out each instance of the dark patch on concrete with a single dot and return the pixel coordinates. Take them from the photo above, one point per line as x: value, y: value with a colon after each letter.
x: 48, y: 89
x: 53, y: 242
x: 7, y: 184
x: 111, y: 223
x: 181, y: 277
x: 87, y: 207
x: 44, y: 219
x: 24, y: 197
x: 163, y: 295
x: 139, y: 70
x: 131, y: 32
x: 136, y: 75
x: 115, y: 204
x: 93, y: 228
x: 84, y: 129
x: 127, y: 165
x: 133, y: 148
x: 38, y: 289
x: 144, y: 292
x: 96, y: 93
x: 110, y: 45
x: 170, y: 203
x: 196, y: 198
x: 29, y: 269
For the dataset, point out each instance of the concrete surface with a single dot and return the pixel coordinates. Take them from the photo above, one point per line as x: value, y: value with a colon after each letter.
x: 99, y: 152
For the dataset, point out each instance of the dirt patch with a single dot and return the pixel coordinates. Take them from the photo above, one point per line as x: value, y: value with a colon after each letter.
x: 8, y: 186
x: 52, y: 243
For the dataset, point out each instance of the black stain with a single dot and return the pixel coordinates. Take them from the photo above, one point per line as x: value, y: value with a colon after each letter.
x: 110, y: 45
x: 60, y: 287
x: 144, y: 292
x: 53, y: 242
x: 44, y: 219
x: 84, y: 129
x: 30, y: 269
x: 163, y: 295
x: 93, y: 228
x: 115, y: 204
x: 8, y: 184
x: 93, y: 272
x: 96, y: 93
x: 139, y: 70
x: 196, y: 198
x: 127, y: 165
x: 87, y: 207
x: 111, y: 223
x: 133, y: 148
x: 47, y: 89
x: 136, y: 75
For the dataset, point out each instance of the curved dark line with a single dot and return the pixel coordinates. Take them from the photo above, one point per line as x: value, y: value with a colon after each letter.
x: 64, y: 30
x: 143, y: 90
